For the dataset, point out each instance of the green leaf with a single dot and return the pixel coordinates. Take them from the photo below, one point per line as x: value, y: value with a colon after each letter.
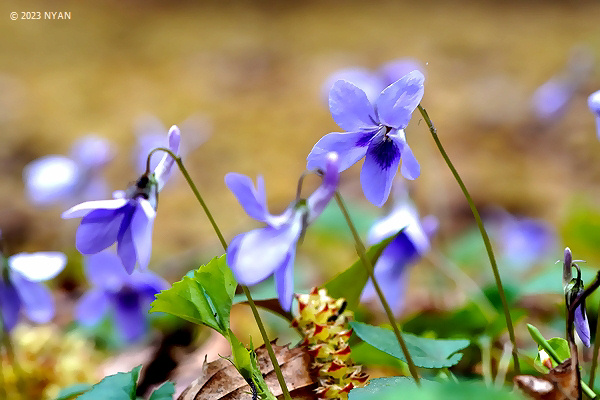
x: 73, y: 391
x: 350, y: 283
x: 245, y: 362
x: 121, y: 386
x: 398, y: 388
x: 426, y: 353
x: 164, y: 392
x: 204, y: 299
x: 561, y: 348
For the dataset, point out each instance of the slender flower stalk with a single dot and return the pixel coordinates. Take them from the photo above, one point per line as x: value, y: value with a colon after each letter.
x: 360, y: 248
x: 484, y: 236
x: 261, y: 327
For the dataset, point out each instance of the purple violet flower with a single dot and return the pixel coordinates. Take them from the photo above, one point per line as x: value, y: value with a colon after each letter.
x: 20, y: 287
x: 367, y: 81
x: 594, y: 105
x: 375, y: 131
x: 69, y: 180
x: 127, y: 296
x: 253, y: 256
x: 405, y: 250
x: 573, y: 287
x: 128, y: 218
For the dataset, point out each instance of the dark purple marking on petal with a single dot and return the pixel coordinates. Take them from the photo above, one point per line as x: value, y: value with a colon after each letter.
x: 386, y: 153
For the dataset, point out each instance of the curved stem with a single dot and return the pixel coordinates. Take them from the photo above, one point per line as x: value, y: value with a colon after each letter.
x: 360, y: 248
x: 261, y: 327
x: 484, y: 236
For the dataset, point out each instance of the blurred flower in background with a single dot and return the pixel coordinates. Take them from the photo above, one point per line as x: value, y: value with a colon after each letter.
x: 552, y: 99
x: 126, y: 297
x: 21, y: 288
x: 594, y: 104
x: 403, y: 251
x: 56, y: 179
x: 151, y: 133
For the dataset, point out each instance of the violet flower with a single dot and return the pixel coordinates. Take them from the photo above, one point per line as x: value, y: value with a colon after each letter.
x: 573, y: 287
x: 594, y: 105
x: 253, y: 256
x: 367, y: 81
x: 57, y: 179
x: 128, y: 297
x: 375, y: 131
x: 128, y: 218
x: 20, y: 287
x: 402, y: 252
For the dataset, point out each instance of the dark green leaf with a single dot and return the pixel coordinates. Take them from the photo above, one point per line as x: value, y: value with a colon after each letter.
x: 164, y: 392
x: 121, y: 386
x: 350, y: 283
x: 399, y: 388
x: 426, y: 353
x: 204, y: 299
x: 73, y: 391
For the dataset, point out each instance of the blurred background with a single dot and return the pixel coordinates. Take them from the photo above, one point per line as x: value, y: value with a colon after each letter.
x: 246, y: 79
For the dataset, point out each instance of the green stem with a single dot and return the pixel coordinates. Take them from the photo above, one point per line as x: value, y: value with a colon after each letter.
x: 595, y: 352
x: 261, y: 327
x: 484, y: 235
x: 360, y: 248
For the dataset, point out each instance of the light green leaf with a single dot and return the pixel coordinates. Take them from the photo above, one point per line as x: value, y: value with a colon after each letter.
x: 121, y: 386
x: 350, y: 283
x: 560, y: 346
x: 426, y: 353
x: 73, y: 391
x: 164, y: 392
x: 399, y: 388
x: 204, y: 299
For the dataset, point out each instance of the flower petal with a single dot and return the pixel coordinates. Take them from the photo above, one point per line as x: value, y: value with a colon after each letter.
x: 10, y: 304
x: 362, y: 78
x: 398, y: 101
x: 126, y: 250
x: 105, y: 270
x: 163, y: 170
x: 92, y: 151
x: 394, y: 70
x: 82, y: 209
x: 147, y: 284
x: 350, y: 108
x: 379, y: 169
x: 141, y: 229
x: 284, y: 280
x: 255, y: 255
x: 38, y: 303
x: 252, y: 200
x: 40, y: 266
x: 51, y: 179
x: 129, y: 317
x: 410, y: 168
x: 582, y: 326
x: 350, y: 148
x: 319, y: 199
x: 91, y: 307
x: 98, y: 230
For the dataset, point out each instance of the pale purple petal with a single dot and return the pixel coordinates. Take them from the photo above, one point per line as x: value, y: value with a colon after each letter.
x: 10, y: 304
x: 550, y: 100
x: 525, y: 241
x: 147, y: 284
x: 410, y: 168
x: 350, y: 108
x: 362, y: 78
x: 105, y: 270
x: 284, y: 280
x: 582, y: 326
x: 37, y: 300
x: 594, y: 105
x: 40, y: 266
x: 98, y: 230
x: 255, y: 255
x: 319, y: 199
x: 252, y: 200
x: 350, y: 148
x: 379, y: 169
x: 83, y: 209
x: 130, y: 319
x: 163, y: 170
x: 126, y: 249
x: 91, y: 307
x: 141, y: 229
x: 51, y: 179
x: 398, y: 101
x: 92, y: 151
